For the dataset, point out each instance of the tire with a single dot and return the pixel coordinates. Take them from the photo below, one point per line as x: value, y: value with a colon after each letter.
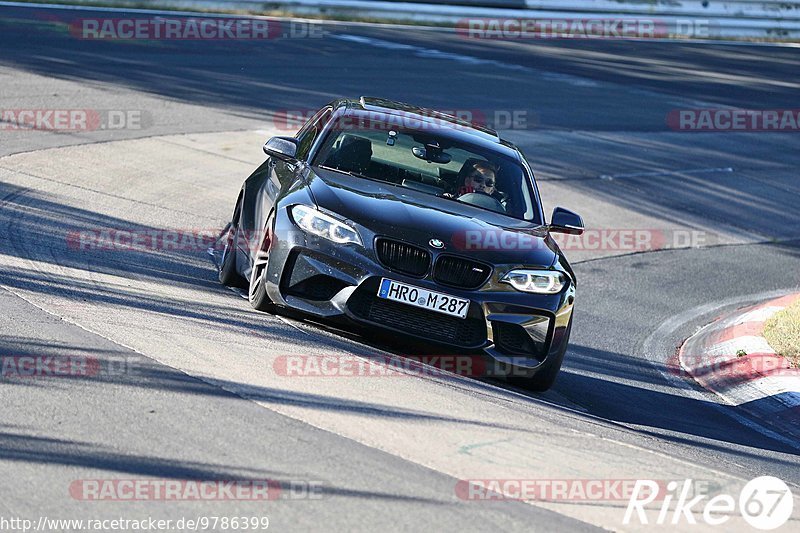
x: 544, y: 379
x: 257, y: 290
x: 228, y: 274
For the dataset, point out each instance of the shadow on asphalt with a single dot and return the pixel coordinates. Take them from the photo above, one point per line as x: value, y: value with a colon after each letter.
x: 36, y: 227
x: 17, y: 446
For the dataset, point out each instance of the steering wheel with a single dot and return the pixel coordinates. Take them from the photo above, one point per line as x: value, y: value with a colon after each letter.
x: 482, y: 200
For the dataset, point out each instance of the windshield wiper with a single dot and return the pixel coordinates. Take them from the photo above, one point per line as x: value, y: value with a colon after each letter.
x: 348, y: 172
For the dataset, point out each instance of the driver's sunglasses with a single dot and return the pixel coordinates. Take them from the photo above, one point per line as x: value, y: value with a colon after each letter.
x: 478, y: 178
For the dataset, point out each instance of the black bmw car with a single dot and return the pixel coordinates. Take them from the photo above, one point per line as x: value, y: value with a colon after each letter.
x: 402, y: 218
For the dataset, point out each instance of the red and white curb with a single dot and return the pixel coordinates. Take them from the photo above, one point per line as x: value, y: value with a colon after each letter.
x: 731, y: 358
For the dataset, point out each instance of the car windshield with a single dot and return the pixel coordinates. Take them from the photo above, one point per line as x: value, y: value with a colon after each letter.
x: 430, y: 162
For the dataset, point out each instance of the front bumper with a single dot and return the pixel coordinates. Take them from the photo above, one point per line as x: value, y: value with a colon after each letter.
x: 325, y: 279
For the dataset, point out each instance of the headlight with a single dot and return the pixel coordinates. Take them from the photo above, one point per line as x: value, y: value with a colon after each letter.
x: 322, y: 225
x: 538, y: 281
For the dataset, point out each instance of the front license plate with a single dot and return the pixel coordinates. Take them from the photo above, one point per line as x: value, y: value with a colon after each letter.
x: 434, y: 301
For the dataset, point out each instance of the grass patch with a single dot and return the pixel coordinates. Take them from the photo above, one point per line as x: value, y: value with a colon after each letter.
x: 782, y: 332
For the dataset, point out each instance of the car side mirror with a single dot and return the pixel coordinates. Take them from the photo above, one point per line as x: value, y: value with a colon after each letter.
x: 565, y: 221
x: 283, y: 148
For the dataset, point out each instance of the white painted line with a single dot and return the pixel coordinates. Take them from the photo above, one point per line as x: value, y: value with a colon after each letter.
x: 748, y: 343
x: 762, y: 314
x: 432, y: 53
x: 666, y: 173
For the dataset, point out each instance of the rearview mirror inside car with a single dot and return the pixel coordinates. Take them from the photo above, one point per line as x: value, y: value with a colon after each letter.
x: 432, y: 153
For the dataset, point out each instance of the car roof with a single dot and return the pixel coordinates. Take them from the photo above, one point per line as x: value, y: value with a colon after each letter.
x: 451, y: 126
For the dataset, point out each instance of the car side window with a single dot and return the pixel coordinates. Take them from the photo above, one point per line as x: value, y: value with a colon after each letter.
x: 310, y: 132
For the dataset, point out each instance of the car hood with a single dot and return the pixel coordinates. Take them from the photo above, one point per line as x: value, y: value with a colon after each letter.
x: 417, y: 217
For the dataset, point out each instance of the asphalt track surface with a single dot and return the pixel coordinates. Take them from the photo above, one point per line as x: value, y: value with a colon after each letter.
x: 200, y: 399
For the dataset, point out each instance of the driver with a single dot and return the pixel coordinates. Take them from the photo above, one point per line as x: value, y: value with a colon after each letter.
x: 480, y: 177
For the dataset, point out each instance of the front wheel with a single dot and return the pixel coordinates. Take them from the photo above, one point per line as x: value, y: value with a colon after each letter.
x: 228, y: 274
x: 257, y: 293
